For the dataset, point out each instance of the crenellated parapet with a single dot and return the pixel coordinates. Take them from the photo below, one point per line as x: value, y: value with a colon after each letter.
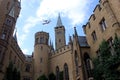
x: 60, y: 51
x: 102, y: 11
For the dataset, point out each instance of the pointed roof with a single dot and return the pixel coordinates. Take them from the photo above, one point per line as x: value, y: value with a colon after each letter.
x: 12, y: 10
x: 15, y: 36
x: 11, y: 13
x: 59, y: 22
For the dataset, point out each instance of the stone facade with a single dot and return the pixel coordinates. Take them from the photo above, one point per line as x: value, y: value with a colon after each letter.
x: 103, y: 24
x: 72, y: 59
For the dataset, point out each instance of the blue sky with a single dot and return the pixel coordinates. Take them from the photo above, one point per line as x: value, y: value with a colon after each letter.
x: 74, y: 13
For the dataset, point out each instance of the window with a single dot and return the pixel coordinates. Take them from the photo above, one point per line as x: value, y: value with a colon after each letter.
x: 66, y: 72
x: 57, y: 73
x: 59, y: 40
x: 27, y: 68
x: 59, y: 32
x: 10, y: 55
x: 94, y: 35
x: 3, y: 36
x: 14, y: 59
x: 36, y: 40
x: 94, y: 17
x: 41, y: 60
x: 110, y: 42
x: 88, y: 65
x: 41, y: 40
x: 103, y: 25
x: 98, y: 54
x: 99, y: 7
x: 0, y: 51
x: 41, y: 47
x: 8, y: 22
x: 46, y: 41
x: 76, y: 62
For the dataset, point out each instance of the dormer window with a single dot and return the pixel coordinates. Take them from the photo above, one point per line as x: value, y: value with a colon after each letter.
x: 8, y: 22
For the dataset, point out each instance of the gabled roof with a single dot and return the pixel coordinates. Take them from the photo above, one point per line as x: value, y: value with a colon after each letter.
x: 82, y: 41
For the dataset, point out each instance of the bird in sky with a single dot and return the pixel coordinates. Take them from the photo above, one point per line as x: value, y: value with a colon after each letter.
x: 46, y: 22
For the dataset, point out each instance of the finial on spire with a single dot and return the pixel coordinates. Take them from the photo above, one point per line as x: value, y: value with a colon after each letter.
x: 75, y: 31
x: 59, y: 22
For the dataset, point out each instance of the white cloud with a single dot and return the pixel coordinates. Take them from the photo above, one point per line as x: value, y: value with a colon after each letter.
x: 75, y: 10
x: 25, y: 51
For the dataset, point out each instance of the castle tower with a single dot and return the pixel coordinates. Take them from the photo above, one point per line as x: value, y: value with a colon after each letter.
x: 9, y: 12
x: 59, y: 34
x: 41, y: 50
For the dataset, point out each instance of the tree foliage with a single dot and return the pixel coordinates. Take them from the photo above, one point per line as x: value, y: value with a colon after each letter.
x: 12, y: 73
x: 106, y: 67
x: 52, y: 76
x: 61, y: 75
x: 42, y: 77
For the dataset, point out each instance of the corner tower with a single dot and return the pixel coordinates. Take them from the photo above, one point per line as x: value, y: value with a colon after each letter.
x: 9, y: 12
x: 59, y: 34
x: 41, y: 50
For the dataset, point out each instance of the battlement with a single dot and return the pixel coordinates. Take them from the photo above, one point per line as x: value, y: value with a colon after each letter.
x: 61, y: 51
x: 41, y: 38
x: 42, y: 33
x: 60, y: 27
x: 96, y: 13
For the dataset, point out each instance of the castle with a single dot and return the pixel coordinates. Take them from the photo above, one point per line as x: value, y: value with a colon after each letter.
x: 73, y: 61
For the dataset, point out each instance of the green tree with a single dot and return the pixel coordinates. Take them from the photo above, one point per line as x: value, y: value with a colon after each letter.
x: 105, y: 67
x: 42, y: 77
x: 61, y: 75
x: 52, y: 76
x: 117, y: 45
x: 12, y: 73
x: 9, y: 70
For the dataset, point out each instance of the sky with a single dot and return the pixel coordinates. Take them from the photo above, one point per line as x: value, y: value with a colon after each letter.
x: 74, y: 13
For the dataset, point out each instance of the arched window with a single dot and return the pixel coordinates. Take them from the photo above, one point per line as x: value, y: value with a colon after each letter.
x: 57, y: 73
x: 66, y: 72
x: 88, y: 65
x: 27, y: 68
x: 36, y: 40
x: 76, y: 62
x: 41, y: 40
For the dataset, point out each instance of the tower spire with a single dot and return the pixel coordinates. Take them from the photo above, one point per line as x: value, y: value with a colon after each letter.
x: 59, y: 22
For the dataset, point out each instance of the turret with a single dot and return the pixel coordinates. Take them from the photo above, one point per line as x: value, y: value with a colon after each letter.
x: 59, y: 34
x: 9, y: 12
x: 41, y: 50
